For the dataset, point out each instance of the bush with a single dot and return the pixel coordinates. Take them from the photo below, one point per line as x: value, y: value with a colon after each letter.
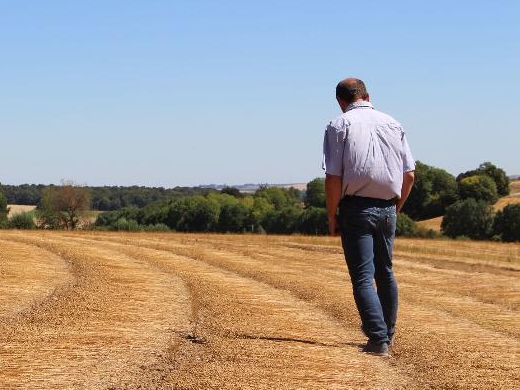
x: 129, y: 225
x: 158, y: 227
x: 507, y: 223
x: 426, y: 233
x: 22, y: 221
x: 405, y: 226
x: 111, y: 219
x: 470, y: 218
x: 47, y: 220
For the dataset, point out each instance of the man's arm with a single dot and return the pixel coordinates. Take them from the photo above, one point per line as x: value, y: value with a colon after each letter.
x: 333, y: 196
x: 408, y: 179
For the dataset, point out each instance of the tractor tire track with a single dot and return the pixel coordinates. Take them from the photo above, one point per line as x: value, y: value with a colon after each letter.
x: 437, y: 345
x: 29, y: 276
x: 254, y: 336
x: 253, y: 312
x: 111, y: 329
x: 496, y: 296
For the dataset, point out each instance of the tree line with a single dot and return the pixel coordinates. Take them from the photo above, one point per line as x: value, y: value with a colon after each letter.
x: 464, y: 201
x: 268, y: 210
x: 104, y: 198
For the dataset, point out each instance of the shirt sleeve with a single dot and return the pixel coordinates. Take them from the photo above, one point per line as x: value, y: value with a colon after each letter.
x: 408, y: 161
x: 333, y: 146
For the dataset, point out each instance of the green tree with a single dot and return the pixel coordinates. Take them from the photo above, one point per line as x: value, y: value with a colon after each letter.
x: 468, y: 217
x: 284, y: 221
x: 154, y: 213
x: 234, y: 214
x: 64, y: 206
x: 314, y: 220
x: 278, y: 197
x: 103, y: 203
x: 259, y: 211
x: 445, y: 192
x: 3, y: 211
x: 498, y: 175
x: 193, y: 214
x: 294, y: 195
x: 434, y: 189
x: 507, y: 223
x: 232, y: 191
x: 28, y: 194
x: 315, y: 194
x: 421, y: 190
x: 233, y: 217
x: 480, y: 187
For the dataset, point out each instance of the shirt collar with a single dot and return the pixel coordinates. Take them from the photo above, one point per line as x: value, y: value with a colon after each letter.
x: 359, y: 104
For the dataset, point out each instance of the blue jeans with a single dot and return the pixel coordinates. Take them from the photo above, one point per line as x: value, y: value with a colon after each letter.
x: 367, y: 235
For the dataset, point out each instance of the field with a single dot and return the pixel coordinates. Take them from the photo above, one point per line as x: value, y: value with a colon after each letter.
x: 513, y: 198
x: 93, y: 310
x: 19, y: 208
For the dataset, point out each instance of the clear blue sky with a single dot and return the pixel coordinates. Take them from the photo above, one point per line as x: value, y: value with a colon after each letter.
x: 167, y: 93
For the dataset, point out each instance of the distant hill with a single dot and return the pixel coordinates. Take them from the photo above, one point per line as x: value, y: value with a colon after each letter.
x: 251, y: 187
x: 515, y: 188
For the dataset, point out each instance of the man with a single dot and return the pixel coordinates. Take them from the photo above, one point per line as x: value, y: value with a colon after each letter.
x: 369, y: 174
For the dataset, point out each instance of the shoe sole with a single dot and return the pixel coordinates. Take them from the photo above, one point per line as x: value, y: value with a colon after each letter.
x: 380, y: 354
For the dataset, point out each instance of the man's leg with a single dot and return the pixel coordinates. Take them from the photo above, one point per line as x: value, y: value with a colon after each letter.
x: 358, y: 246
x: 384, y: 276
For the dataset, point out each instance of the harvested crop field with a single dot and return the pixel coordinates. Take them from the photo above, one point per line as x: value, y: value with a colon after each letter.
x: 19, y: 208
x: 176, y: 311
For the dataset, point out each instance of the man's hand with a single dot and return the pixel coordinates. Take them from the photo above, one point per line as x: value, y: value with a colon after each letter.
x: 408, y: 179
x: 333, y: 196
x: 333, y: 226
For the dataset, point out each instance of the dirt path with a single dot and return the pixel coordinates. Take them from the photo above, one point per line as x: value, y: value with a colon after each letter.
x: 249, y: 312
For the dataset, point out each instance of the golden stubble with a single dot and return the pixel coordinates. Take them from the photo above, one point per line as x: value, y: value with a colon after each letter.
x: 199, y: 311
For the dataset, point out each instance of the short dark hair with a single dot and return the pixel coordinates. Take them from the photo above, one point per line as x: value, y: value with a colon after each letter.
x: 350, y: 90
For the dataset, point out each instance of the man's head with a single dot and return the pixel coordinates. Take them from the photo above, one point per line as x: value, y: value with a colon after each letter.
x: 349, y: 91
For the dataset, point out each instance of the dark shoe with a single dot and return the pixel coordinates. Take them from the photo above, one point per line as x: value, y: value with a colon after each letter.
x: 378, y: 349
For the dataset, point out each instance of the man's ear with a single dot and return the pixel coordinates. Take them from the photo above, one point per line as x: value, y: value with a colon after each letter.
x: 341, y: 104
x: 368, y: 98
